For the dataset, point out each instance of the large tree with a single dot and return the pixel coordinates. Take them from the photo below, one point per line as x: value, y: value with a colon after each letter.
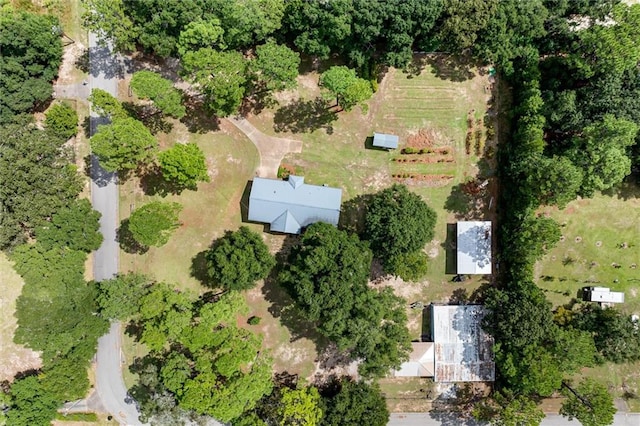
x: 153, y: 223
x: 202, y: 360
x: 354, y: 404
x: 123, y: 145
x: 76, y: 227
x: 601, y: 152
x: 31, y: 55
x: 506, y: 409
x: 275, y: 66
x: 239, y: 259
x: 152, y: 86
x: 183, y: 166
x: 37, y: 180
x: 111, y: 21
x: 119, y: 297
x: 106, y: 105
x: 327, y: 276
x: 589, y: 402
x: 199, y: 34
x: 220, y: 76
x: 398, y: 222
x: 348, y: 89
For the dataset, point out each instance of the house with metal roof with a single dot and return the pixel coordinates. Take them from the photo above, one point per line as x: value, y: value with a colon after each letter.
x: 289, y: 206
x: 474, y: 247
x: 382, y: 140
x: 461, y: 348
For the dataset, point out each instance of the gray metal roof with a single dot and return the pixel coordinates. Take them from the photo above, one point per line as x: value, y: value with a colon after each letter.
x: 462, y: 349
x: 288, y: 206
x: 474, y: 248
x: 383, y: 140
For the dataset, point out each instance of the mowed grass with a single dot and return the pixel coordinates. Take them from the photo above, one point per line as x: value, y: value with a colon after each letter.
x: 207, y: 212
x: 13, y: 357
x: 403, y: 105
x: 595, y: 233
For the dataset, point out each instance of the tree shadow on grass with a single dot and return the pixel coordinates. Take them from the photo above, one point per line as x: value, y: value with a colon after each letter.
x: 353, y: 214
x: 150, y: 116
x: 459, y: 202
x: 304, y: 116
x: 126, y: 240
x: 153, y: 183
x: 451, y: 67
x: 257, y: 102
x: 198, y: 119
x: 198, y: 269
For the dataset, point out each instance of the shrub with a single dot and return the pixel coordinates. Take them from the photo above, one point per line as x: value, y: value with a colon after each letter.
x: 254, y: 320
x: 62, y: 120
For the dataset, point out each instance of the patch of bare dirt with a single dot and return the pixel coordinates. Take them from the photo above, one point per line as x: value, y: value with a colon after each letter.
x: 69, y: 57
x: 376, y: 181
x: 427, y: 138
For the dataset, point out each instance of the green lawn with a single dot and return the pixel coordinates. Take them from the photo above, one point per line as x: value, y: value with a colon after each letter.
x: 333, y: 154
x: 594, y: 232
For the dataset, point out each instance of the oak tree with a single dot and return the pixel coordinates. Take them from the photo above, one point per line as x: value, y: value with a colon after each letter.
x: 183, y: 166
x: 153, y: 223
x: 123, y: 145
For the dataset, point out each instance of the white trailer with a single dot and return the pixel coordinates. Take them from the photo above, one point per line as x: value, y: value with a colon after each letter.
x: 603, y: 295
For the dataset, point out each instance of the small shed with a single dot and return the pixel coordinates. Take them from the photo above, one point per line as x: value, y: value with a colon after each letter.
x: 382, y: 140
x: 474, y: 247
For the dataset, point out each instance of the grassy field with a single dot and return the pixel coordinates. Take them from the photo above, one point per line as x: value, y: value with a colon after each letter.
x: 598, y: 234
x: 599, y: 246
x: 13, y: 358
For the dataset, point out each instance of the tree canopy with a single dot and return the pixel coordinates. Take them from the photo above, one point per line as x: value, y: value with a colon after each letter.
x: 327, y: 275
x: 119, y: 298
x: 76, y: 227
x: 123, y: 145
x: 221, y: 76
x: 343, y: 84
x: 275, y: 66
x: 183, y: 166
x: 31, y: 55
x: 355, y: 404
x: 165, y: 97
x: 62, y: 120
x: 590, y: 403
x: 398, y: 222
x: 37, y: 178
x: 153, y: 223
x: 199, y: 355
x: 238, y: 260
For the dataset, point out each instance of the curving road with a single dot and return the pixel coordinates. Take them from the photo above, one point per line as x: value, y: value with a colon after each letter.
x: 110, y: 387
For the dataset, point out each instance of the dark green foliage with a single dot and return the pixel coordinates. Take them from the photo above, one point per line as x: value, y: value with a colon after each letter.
x: 275, y: 66
x: 220, y: 76
x: 62, y: 120
x: 123, y: 145
x: 354, y: 404
x: 530, y: 371
x: 31, y: 54
x: 153, y: 223
x: 36, y: 177
x: 589, y: 402
x: 119, y: 298
x: 54, y: 284
x: 398, y: 222
x: 165, y: 97
x: 254, y: 320
x: 183, y: 166
x: 238, y: 260
x: 75, y: 227
x: 342, y: 84
x: 507, y: 409
x: 111, y: 21
x: 556, y: 180
x: 199, y: 360
x: 31, y: 404
x: 410, y: 267
x: 616, y: 337
x: 327, y: 276
x: 103, y: 103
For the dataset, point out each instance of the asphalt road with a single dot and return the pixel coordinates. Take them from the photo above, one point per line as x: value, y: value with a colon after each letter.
x: 427, y: 419
x: 104, y: 197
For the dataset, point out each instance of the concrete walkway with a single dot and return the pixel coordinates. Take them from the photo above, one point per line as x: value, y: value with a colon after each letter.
x: 71, y: 91
x: 271, y: 149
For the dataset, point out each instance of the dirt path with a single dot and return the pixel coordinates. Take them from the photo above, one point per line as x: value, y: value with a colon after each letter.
x: 271, y: 149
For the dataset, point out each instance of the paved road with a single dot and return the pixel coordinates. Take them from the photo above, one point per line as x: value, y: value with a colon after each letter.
x: 427, y: 419
x: 104, y: 197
